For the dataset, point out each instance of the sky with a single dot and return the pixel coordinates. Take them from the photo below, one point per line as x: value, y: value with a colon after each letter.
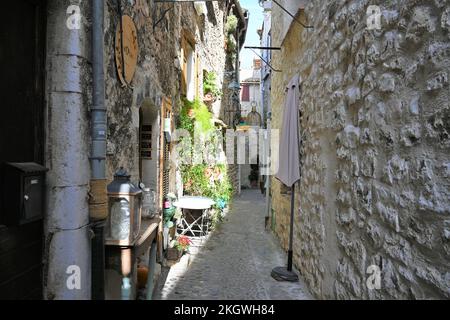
x: 252, y: 39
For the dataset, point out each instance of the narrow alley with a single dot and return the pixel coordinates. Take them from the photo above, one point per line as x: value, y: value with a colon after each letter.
x: 225, y: 150
x: 235, y: 262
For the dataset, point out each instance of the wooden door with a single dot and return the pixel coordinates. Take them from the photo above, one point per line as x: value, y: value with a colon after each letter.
x: 22, y: 58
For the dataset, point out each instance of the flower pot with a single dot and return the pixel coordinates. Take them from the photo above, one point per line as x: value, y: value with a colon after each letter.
x: 142, y: 276
x: 173, y: 254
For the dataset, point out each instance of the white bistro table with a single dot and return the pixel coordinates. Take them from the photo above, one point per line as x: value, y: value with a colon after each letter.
x: 189, y: 223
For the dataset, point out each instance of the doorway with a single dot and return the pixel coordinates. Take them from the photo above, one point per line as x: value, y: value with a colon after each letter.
x: 22, y: 57
x: 149, y: 134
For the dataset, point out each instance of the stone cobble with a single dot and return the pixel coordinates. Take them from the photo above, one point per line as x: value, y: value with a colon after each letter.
x: 235, y: 262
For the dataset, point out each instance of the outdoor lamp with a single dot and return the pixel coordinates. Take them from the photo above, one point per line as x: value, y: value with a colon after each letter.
x: 124, y: 205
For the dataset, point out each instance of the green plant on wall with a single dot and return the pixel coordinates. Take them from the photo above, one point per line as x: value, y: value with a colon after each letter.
x: 231, y: 24
x: 204, y: 179
x: 230, y: 29
x: 210, y: 84
x: 195, y: 114
x: 231, y: 44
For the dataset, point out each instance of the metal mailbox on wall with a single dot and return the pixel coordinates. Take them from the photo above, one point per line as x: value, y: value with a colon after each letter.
x: 23, y: 193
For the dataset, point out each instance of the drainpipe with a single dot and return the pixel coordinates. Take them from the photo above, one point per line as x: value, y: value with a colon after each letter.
x: 98, y: 200
x: 67, y: 257
x: 98, y: 110
x: 151, y: 271
x: 268, y: 154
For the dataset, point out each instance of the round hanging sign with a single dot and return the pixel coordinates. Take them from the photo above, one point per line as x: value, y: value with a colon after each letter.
x: 126, y: 50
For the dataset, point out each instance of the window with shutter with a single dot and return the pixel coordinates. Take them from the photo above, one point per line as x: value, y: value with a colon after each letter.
x: 189, y: 72
x: 245, y: 93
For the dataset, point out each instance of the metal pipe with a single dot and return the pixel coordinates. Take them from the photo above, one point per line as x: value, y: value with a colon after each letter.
x: 98, y: 143
x: 291, y: 229
x: 262, y: 48
x: 151, y: 271
x: 268, y: 154
x: 98, y: 110
x: 98, y: 261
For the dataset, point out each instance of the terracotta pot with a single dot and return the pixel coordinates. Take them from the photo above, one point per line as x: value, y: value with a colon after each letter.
x: 209, y: 98
x: 142, y: 276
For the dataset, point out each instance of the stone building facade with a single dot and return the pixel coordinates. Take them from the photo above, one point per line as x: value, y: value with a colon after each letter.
x: 374, y: 191
x: 173, y: 40
x: 159, y: 71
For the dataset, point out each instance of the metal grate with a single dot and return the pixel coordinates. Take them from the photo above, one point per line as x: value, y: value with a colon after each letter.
x: 146, y: 142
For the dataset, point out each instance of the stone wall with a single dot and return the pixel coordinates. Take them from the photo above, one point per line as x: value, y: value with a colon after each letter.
x: 158, y: 72
x: 375, y: 147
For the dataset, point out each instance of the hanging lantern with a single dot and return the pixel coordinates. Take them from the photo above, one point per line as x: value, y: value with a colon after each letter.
x: 124, y: 218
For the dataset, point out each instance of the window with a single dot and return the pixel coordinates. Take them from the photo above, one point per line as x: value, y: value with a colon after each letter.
x: 22, y: 137
x: 189, y: 79
x: 245, y: 93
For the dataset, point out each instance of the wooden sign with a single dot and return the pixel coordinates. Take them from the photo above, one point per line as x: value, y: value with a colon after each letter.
x: 126, y: 50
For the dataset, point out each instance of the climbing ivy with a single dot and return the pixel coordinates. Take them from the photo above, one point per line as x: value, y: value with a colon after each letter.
x: 204, y: 178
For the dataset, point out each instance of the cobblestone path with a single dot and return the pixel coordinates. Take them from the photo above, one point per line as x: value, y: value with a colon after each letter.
x: 234, y: 262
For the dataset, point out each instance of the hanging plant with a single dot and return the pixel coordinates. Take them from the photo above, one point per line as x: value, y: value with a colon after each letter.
x: 231, y: 24
x: 231, y: 44
x: 210, y: 86
x: 195, y: 113
x: 186, y: 117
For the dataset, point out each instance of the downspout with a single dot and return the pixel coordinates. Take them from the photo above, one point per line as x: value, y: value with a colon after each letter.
x: 98, y: 200
x: 268, y: 176
x: 98, y: 110
x: 240, y: 34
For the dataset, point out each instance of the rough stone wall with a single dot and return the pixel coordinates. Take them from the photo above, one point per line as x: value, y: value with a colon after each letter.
x: 158, y: 72
x: 375, y: 147
x: 155, y: 77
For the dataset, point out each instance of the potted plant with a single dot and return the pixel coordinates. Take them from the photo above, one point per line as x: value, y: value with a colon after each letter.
x: 173, y: 253
x: 178, y: 247
x: 210, y: 90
